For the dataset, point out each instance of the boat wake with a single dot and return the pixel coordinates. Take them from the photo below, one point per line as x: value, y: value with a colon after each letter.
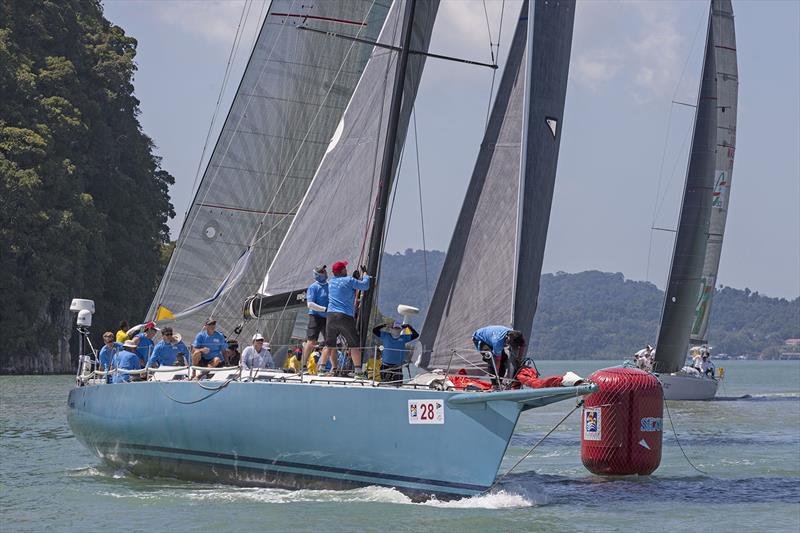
x: 509, y: 495
x: 768, y: 397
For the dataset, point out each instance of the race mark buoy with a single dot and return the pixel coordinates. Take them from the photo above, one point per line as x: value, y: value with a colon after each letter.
x: 621, y: 427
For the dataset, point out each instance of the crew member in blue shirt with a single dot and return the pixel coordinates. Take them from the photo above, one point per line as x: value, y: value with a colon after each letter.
x: 166, y: 352
x: 394, y: 350
x: 341, y: 310
x: 498, y: 345
x: 209, y: 346
x: 317, y: 303
x: 107, y: 352
x: 127, y: 359
x: 145, y: 342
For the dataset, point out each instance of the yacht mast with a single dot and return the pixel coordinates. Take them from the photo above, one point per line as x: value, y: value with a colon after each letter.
x: 386, y: 174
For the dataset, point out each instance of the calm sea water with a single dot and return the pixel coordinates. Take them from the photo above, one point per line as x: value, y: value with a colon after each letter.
x: 748, y: 448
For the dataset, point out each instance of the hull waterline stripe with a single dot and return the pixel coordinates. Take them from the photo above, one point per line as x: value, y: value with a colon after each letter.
x: 291, y: 464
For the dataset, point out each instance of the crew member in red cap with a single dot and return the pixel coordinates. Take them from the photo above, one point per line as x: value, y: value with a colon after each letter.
x: 145, y: 342
x: 341, y: 310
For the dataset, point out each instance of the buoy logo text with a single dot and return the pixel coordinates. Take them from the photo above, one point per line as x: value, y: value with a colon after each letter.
x: 651, y: 424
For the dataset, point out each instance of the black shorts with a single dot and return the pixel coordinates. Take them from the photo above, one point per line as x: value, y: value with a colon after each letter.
x: 341, y: 324
x: 316, y: 325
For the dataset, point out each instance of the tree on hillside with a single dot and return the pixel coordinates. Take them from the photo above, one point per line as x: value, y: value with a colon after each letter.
x: 83, y: 200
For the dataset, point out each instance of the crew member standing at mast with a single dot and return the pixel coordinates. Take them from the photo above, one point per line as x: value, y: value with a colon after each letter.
x: 317, y: 302
x: 341, y: 310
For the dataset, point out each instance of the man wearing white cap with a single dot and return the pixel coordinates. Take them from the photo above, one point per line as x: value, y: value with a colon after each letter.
x: 127, y: 359
x: 257, y: 355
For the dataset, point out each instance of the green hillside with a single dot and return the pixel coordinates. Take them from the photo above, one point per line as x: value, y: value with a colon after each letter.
x: 601, y: 315
x: 83, y: 200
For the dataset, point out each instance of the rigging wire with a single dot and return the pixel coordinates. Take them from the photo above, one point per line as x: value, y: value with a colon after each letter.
x: 659, y: 200
x: 495, y: 53
x: 421, y: 210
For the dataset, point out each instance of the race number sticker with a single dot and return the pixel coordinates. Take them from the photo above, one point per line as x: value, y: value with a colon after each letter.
x: 593, y: 423
x: 425, y: 412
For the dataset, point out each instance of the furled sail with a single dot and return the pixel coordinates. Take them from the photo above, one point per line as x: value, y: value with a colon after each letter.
x: 727, y: 98
x: 688, y: 256
x: 294, y: 91
x: 493, y: 264
x: 334, y: 219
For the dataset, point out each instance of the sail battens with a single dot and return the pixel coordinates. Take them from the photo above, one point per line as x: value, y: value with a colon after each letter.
x: 327, y: 19
x: 698, y: 244
x: 244, y: 210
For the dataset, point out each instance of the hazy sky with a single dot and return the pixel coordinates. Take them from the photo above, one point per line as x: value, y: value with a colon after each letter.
x: 630, y: 60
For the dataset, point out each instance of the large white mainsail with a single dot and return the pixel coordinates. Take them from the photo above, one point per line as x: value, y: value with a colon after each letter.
x: 334, y: 219
x: 492, y: 268
x: 293, y: 93
x: 711, y: 154
x: 727, y: 100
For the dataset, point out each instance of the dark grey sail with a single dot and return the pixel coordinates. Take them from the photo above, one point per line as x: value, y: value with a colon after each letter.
x: 727, y: 100
x: 688, y: 256
x: 295, y: 88
x: 492, y: 268
x: 334, y: 220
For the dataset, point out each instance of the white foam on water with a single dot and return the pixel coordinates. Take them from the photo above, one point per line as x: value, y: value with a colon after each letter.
x: 266, y: 495
x: 87, y: 471
x: 494, y: 500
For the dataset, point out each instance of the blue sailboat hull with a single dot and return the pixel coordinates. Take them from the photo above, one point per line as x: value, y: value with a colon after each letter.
x: 296, y: 435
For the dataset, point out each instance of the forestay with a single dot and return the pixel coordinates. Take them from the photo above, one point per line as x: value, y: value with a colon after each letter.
x: 727, y: 97
x: 335, y: 216
x: 688, y: 256
x: 492, y: 268
x: 293, y: 93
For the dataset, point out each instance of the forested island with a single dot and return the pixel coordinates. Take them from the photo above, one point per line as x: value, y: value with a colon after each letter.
x: 84, y: 206
x: 83, y: 200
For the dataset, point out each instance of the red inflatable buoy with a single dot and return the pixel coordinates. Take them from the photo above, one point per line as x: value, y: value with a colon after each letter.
x: 622, y: 423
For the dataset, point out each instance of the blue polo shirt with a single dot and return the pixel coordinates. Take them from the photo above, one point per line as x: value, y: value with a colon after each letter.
x: 318, y: 293
x: 166, y: 354
x: 394, y: 350
x: 126, y: 361
x: 145, y: 347
x: 106, y: 355
x: 215, y: 343
x: 342, y: 293
x: 494, y: 336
